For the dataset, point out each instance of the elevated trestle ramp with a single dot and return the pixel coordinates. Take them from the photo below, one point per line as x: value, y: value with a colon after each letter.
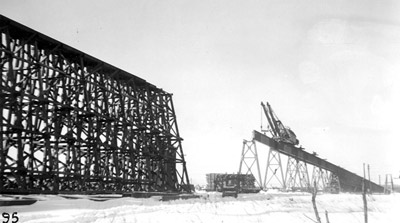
x: 71, y: 123
x: 349, y: 182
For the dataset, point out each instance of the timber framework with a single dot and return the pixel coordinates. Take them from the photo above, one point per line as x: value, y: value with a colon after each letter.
x: 72, y: 123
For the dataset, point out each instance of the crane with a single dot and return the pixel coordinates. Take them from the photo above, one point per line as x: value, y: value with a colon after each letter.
x: 279, y: 132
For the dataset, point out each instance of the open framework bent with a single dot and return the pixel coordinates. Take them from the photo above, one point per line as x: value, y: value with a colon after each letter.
x: 72, y: 123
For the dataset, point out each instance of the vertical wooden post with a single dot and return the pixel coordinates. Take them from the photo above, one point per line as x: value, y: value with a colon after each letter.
x: 369, y: 181
x: 364, y: 196
x: 314, y: 195
x: 326, y: 216
x: 379, y: 179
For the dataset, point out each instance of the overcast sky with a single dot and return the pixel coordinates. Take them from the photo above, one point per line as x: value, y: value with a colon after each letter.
x: 330, y: 69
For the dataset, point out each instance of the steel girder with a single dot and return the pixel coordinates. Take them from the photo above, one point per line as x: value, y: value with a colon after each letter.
x: 296, y: 176
x: 275, y: 169
x: 72, y: 123
x: 249, y: 157
x: 348, y: 181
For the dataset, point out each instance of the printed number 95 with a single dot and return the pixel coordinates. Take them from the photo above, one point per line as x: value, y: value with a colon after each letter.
x: 7, y: 217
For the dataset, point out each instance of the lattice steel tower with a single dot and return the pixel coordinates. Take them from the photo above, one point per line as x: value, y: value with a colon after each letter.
x: 72, y: 123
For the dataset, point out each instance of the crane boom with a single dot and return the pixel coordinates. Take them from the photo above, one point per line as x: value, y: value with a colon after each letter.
x: 279, y: 131
x: 271, y: 123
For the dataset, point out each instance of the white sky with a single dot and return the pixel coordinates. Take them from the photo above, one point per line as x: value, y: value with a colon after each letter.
x: 330, y: 69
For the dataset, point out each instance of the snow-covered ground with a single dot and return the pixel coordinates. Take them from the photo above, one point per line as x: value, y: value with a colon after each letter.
x: 211, y: 207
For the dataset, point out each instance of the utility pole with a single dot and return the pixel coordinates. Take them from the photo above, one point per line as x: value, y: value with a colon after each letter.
x: 369, y: 180
x: 363, y: 171
x: 364, y: 196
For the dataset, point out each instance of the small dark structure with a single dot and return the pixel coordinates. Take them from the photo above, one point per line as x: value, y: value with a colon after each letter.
x: 245, y: 183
